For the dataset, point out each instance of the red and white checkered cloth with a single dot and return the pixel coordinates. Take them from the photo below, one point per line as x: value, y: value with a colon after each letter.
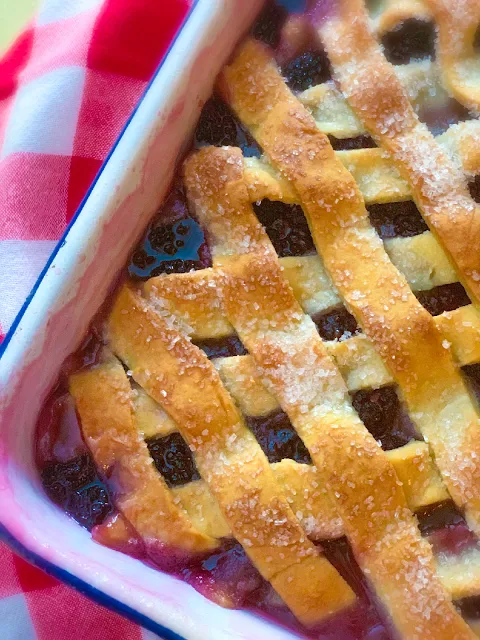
x: 67, y: 88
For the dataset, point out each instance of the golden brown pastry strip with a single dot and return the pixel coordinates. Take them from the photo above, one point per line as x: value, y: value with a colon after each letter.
x: 190, y: 295
x: 298, y: 371
x: 402, y: 331
x: 374, y: 170
x: 183, y: 381
x: 103, y: 398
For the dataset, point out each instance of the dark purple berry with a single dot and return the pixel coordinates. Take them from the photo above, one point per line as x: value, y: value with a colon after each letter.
x: 286, y: 227
x: 445, y: 297
x: 410, y: 40
x: 76, y: 487
x: 397, y: 219
x: 173, y: 459
x: 384, y: 416
x: 268, y: 26
x: 174, y: 243
x: 336, y: 324
x: 219, y: 127
x: 307, y: 70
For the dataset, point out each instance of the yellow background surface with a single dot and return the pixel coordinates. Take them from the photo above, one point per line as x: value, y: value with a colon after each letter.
x: 14, y: 14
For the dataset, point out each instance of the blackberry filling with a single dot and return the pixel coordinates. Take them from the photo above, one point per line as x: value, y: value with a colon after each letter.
x: 76, y: 488
x: 286, y: 227
x: 307, y: 70
x: 413, y: 39
x: 349, y: 144
x: 397, y: 219
x: 268, y: 27
x: 222, y: 347
x: 218, y: 126
x: 446, y: 297
x: 173, y: 459
x: 278, y: 438
x: 445, y: 528
x: 336, y: 324
x: 474, y: 187
x: 384, y: 416
x: 174, y: 242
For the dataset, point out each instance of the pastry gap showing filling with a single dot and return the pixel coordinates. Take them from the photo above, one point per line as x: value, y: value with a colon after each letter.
x: 286, y: 227
x: 404, y: 220
x: 349, y: 144
x: 396, y: 219
x: 412, y: 39
x: 277, y: 437
x: 385, y: 416
x: 222, y: 347
x: 173, y: 243
x: 218, y: 126
x: 446, y: 297
x: 472, y: 377
x: 336, y: 324
x: 446, y: 529
x: 173, y: 459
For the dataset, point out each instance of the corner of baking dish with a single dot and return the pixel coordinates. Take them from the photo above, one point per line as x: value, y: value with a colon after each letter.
x: 55, y: 317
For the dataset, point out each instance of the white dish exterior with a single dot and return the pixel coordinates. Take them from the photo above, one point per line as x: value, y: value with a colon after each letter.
x: 64, y: 300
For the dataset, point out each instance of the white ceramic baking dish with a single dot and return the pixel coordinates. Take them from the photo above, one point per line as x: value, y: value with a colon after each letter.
x: 55, y: 317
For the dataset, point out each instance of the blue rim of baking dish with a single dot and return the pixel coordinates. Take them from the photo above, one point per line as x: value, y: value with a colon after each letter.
x: 33, y: 558
x: 86, y: 589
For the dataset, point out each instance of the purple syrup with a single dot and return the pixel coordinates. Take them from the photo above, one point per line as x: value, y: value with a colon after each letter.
x: 227, y: 577
x: 384, y: 416
x: 446, y: 528
x: 446, y: 297
x: 413, y: 39
x: 278, y: 438
x: 336, y: 324
x: 173, y: 459
x: 173, y: 243
x: 348, y: 144
x: 286, y: 227
x: 363, y: 620
x: 222, y: 347
x: 397, y: 219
